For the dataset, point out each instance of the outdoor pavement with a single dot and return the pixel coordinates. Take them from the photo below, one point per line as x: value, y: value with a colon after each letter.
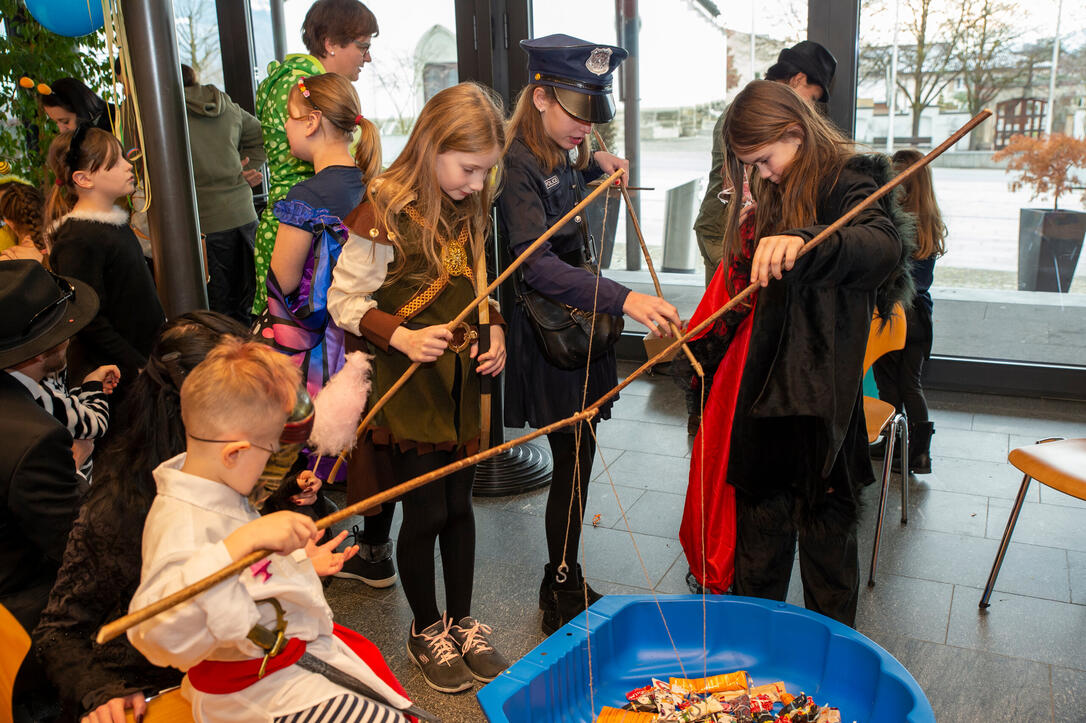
x: 1023, y: 659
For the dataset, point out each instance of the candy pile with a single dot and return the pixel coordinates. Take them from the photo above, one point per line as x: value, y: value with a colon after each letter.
x: 729, y: 698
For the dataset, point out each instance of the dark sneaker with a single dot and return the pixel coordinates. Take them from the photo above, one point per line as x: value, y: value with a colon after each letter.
x: 480, y: 656
x: 372, y: 565
x: 438, y: 656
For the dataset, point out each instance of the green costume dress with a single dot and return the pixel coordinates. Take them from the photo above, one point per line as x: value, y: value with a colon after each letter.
x: 284, y: 170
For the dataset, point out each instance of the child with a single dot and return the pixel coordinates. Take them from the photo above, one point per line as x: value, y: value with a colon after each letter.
x: 322, y: 113
x: 786, y: 399
x: 22, y: 209
x: 898, y: 373
x: 90, y: 239
x: 234, y: 405
x: 571, y: 90
x: 406, y: 271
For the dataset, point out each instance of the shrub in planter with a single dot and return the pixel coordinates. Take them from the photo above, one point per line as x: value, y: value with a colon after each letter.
x: 1049, y: 240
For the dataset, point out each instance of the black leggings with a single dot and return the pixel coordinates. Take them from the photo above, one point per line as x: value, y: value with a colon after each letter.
x: 438, y: 511
x: 897, y: 374
x: 563, y: 521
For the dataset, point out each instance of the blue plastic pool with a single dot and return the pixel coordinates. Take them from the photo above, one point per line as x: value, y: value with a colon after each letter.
x: 772, y: 641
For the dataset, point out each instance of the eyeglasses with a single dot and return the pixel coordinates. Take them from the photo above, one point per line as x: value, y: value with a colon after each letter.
x: 231, y: 441
x: 363, y: 48
x: 68, y: 295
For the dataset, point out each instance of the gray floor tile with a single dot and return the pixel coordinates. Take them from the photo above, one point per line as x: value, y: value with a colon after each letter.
x: 644, y: 437
x: 661, y: 472
x: 1019, y: 626
x: 1076, y: 562
x: 992, y: 479
x: 956, y: 679
x: 1068, y: 694
x: 955, y: 418
x: 654, y: 513
x: 510, y: 536
x: 967, y: 444
x: 1050, y: 496
x: 601, y: 501
x: 904, y: 606
x: 937, y: 510
x: 964, y: 560
x: 610, y: 556
x: 662, y: 406
x: 1045, y: 525
x: 674, y: 582
x: 1027, y: 424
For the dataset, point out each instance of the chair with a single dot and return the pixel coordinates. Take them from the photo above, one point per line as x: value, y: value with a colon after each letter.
x: 882, y: 418
x: 1057, y: 463
x: 14, y: 644
x: 167, y: 707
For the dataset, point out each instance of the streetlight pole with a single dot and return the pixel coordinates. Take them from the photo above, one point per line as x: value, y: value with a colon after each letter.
x: 893, y: 86
x: 1051, y: 110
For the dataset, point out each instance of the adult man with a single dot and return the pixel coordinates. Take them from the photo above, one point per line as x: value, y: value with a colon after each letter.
x: 808, y: 68
x: 40, y: 490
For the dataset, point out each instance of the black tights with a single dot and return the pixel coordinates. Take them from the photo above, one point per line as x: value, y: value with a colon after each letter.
x: 377, y: 528
x: 897, y: 373
x: 563, y: 521
x: 438, y: 511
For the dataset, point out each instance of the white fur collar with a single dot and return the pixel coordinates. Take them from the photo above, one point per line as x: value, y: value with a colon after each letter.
x: 116, y: 216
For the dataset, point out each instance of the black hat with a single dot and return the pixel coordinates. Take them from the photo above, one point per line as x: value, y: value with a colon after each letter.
x: 814, y: 61
x: 40, y: 310
x: 579, y: 71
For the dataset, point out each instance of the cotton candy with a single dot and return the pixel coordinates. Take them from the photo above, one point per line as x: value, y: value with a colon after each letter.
x: 339, y: 406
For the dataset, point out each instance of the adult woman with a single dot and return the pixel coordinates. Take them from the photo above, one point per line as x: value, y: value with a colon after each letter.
x: 101, y: 566
x: 571, y: 90
x: 337, y: 34
x: 71, y: 103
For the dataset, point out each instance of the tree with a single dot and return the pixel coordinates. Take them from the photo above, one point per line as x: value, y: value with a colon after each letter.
x: 983, y: 54
x: 28, y: 49
x: 197, y: 38
x: 1045, y: 165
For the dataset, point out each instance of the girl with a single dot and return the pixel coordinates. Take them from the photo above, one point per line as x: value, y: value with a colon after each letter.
x: 323, y: 113
x: 415, y: 259
x: 71, y: 103
x: 786, y: 399
x: 90, y: 239
x: 22, y: 208
x: 554, y: 115
x: 337, y: 34
x: 898, y: 373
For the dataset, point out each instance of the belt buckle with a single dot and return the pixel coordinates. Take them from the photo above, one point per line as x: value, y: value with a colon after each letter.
x: 468, y: 336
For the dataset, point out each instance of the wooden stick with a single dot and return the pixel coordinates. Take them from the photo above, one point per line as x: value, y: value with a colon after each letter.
x: 380, y: 403
x: 829, y: 230
x: 648, y: 261
x: 118, y: 626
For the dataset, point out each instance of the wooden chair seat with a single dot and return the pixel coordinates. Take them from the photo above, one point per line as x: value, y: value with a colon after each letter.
x: 877, y: 414
x: 1060, y: 465
x: 14, y: 644
x: 169, y: 707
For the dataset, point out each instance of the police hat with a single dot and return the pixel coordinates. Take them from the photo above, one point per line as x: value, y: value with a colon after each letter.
x: 579, y: 71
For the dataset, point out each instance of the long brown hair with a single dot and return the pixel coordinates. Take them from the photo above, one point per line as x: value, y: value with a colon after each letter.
x: 23, y: 206
x: 919, y: 200
x: 335, y: 98
x: 763, y: 113
x: 97, y: 149
x: 466, y: 118
x: 527, y: 125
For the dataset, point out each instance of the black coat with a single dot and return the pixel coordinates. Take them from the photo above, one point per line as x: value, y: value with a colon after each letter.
x: 40, y: 493
x: 799, y: 421
x: 536, y: 392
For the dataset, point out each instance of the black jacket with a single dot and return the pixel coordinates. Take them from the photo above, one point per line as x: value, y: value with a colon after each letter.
x: 799, y: 415
x: 40, y: 494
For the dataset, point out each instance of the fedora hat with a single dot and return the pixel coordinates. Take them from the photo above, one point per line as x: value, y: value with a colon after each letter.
x: 40, y: 310
x: 815, y: 61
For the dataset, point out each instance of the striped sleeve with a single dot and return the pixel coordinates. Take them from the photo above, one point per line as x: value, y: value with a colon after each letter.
x: 84, y: 411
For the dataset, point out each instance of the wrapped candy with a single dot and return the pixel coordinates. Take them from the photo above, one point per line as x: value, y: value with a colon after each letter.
x: 667, y: 700
x: 739, y: 680
x: 699, y: 710
x: 618, y: 715
x: 827, y: 714
x: 775, y: 691
x: 761, y: 704
x: 641, y: 700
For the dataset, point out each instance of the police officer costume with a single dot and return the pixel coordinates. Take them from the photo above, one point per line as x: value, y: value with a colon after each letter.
x: 532, y: 200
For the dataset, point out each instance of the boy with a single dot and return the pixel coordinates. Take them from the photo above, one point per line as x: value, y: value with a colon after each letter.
x: 234, y: 405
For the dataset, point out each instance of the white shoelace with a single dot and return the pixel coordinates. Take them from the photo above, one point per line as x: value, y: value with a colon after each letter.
x: 474, y: 642
x: 442, y: 645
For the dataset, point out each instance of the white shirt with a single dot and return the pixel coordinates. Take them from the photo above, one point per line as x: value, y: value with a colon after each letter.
x: 43, y: 399
x: 361, y: 270
x: 183, y: 543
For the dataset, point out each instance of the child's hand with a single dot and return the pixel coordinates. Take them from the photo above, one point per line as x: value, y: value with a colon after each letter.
x: 326, y: 561
x: 310, y: 485
x: 113, y: 710
x: 108, y: 375
x: 493, y: 361
x: 282, y: 532
x: 421, y: 345
x: 652, y: 311
x: 774, y: 255
x: 82, y: 449
x: 609, y: 163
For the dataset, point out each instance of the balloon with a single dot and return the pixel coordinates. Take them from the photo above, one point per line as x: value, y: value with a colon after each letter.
x: 67, y: 17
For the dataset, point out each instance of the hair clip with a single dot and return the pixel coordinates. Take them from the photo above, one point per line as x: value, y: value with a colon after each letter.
x: 172, y: 363
x: 28, y: 83
x: 358, y: 119
x: 301, y: 87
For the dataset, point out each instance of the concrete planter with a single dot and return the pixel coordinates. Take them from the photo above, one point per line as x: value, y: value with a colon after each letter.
x: 1049, y: 243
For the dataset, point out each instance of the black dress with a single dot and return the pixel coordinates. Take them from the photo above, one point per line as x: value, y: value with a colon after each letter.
x: 538, y: 393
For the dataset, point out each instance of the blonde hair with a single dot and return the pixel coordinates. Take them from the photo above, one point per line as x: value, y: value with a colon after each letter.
x: 919, y: 200
x: 466, y: 118
x: 336, y: 100
x: 238, y: 386
x: 527, y: 125
x: 765, y: 112
x: 97, y: 149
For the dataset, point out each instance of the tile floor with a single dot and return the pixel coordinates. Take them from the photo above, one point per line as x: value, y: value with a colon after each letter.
x: 1024, y: 658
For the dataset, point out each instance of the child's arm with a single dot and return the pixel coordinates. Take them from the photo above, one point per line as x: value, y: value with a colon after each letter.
x: 186, y: 634
x: 360, y: 271
x: 85, y: 409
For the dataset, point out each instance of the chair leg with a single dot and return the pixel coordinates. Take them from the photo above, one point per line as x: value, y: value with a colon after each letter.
x: 903, y: 423
x: 1005, y: 542
x: 887, y: 464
